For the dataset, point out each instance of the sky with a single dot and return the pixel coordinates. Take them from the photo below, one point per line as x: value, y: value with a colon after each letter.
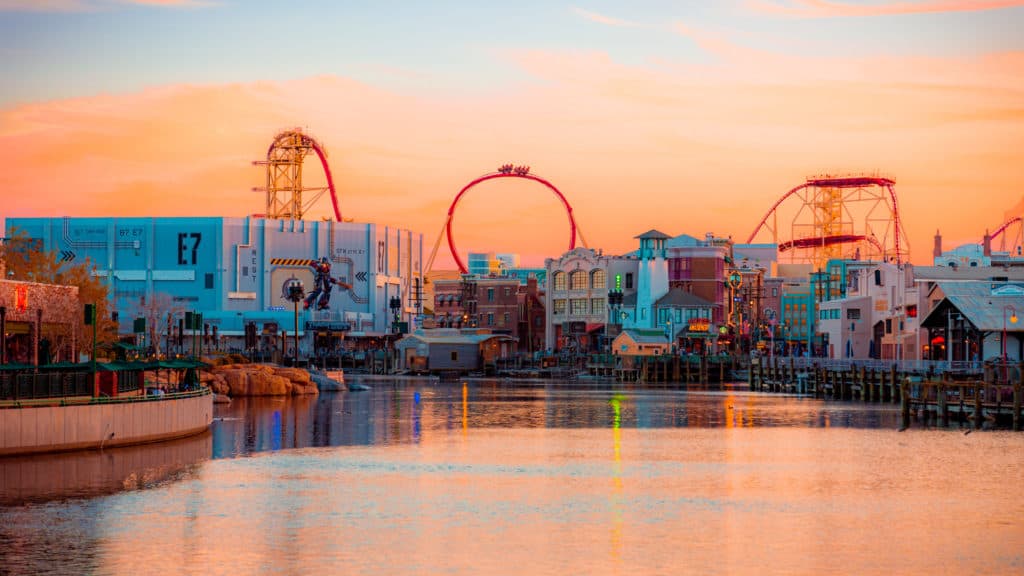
x: 684, y: 116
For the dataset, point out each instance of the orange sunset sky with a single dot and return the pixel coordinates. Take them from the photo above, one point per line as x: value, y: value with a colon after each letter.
x: 688, y: 117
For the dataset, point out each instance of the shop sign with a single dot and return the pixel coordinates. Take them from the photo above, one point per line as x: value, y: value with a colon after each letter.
x: 21, y: 298
x: 699, y: 325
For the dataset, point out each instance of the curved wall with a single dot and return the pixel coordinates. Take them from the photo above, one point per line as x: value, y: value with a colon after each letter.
x: 29, y: 430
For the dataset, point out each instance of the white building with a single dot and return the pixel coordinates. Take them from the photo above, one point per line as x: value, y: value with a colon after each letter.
x: 576, y: 302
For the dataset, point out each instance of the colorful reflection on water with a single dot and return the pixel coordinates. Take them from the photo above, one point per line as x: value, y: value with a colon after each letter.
x: 499, y: 478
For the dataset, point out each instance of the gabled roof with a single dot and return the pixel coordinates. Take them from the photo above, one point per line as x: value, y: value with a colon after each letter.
x: 653, y: 234
x: 680, y: 298
x: 984, y: 304
x: 449, y: 336
x: 642, y: 336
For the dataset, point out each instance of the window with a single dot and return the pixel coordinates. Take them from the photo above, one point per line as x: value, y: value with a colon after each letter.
x: 629, y: 280
x: 455, y: 356
x: 559, y: 281
x: 490, y: 294
x: 209, y: 281
x: 508, y: 291
x: 538, y: 321
x: 775, y: 292
x: 598, y: 279
x: 578, y: 306
x: 853, y: 314
x: 578, y: 280
x: 878, y: 278
x: 558, y: 306
x: 506, y: 319
x: 490, y: 319
x: 597, y: 306
x: 912, y: 311
x: 888, y: 325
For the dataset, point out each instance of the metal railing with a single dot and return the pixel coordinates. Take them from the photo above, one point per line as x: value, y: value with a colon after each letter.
x: 15, y: 386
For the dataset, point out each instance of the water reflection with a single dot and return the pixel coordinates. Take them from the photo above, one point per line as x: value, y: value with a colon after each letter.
x: 496, y: 477
x: 409, y: 411
x: 89, y: 473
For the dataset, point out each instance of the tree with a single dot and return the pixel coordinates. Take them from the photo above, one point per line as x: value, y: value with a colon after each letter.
x: 156, y: 311
x: 26, y: 261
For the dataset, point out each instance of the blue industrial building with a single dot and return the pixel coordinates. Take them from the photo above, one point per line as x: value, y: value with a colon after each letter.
x: 235, y: 270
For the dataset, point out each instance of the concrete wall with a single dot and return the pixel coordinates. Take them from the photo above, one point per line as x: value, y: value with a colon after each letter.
x: 58, y: 428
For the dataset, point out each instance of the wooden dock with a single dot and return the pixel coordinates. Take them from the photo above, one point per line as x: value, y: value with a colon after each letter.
x: 931, y: 400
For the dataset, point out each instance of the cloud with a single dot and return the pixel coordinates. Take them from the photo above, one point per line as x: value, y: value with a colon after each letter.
x: 674, y: 145
x: 91, y: 5
x: 830, y: 9
x: 602, y: 19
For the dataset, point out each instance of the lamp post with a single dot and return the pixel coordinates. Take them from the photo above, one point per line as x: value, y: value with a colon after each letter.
x: 295, y: 292
x: 1013, y: 320
x: 734, y: 281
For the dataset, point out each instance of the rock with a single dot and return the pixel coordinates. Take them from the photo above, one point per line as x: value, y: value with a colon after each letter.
x: 261, y: 380
x: 325, y: 383
x: 219, y: 398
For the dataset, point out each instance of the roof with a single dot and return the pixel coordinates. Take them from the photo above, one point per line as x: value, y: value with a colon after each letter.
x: 683, y: 240
x: 680, y: 298
x: 653, y: 234
x: 960, y: 273
x: 451, y: 337
x: 642, y: 336
x: 985, y: 305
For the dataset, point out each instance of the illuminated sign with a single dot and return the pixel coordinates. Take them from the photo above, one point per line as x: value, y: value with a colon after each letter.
x: 21, y: 298
x: 699, y: 325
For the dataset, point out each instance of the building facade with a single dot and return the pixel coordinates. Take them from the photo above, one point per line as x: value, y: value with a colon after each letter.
x: 235, y: 271
x: 576, y: 300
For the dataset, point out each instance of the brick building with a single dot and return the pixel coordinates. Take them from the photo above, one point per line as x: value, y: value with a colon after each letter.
x: 39, y: 323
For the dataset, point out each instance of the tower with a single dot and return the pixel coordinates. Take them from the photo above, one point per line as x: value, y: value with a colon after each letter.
x: 652, y: 276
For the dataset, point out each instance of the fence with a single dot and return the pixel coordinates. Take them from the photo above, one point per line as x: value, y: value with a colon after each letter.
x: 14, y: 386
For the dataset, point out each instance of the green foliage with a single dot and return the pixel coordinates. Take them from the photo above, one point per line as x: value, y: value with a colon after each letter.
x: 26, y: 261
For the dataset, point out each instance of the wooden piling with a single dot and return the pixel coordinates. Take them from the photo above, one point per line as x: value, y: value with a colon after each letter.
x: 978, y: 416
x: 904, y: 406
x: 892, y: 380
x: 943, y: 406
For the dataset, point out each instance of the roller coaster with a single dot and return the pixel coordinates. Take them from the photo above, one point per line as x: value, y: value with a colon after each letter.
x: 504, y: 171
x: 284, y: 187
x: 1016, y: 239
x: 837, y: 217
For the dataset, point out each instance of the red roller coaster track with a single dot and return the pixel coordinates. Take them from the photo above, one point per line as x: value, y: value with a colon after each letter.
x: 311, y: 142
x: 506, y: 172
x: 1005, y: 225
x: 834, y: 182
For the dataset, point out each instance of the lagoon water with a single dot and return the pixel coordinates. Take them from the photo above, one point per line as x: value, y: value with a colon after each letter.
x: 490, y: 477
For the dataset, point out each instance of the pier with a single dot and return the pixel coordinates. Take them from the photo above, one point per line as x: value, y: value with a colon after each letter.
x: 967, y: 395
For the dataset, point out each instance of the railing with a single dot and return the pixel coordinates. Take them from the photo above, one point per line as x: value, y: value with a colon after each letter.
x: 45, y: 385
x: 84, y: 400
x: 918, y: 366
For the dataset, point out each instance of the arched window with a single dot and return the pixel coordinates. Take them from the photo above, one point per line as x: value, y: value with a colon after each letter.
x: 578, y: 280
x: 559, y: 281
x: 598, y: 279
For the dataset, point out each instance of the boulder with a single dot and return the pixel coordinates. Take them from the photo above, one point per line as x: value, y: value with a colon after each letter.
x: 261, y: 380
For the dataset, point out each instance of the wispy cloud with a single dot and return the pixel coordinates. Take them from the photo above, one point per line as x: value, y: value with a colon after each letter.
x: 832, y: 9
x: 603, y: 19
x: 91, y: 5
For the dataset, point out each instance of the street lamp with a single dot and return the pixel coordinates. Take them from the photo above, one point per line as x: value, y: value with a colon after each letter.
x: 1013, y: 320
x: 295, y: 292
x: 734, y: 281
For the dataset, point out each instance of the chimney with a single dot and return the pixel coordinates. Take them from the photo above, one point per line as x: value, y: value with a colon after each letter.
x: 531, y: 285
x: 987, y: 244
x: 937, y: 251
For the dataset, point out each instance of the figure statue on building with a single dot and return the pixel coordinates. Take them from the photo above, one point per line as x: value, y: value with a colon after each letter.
x: 322, y: 284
